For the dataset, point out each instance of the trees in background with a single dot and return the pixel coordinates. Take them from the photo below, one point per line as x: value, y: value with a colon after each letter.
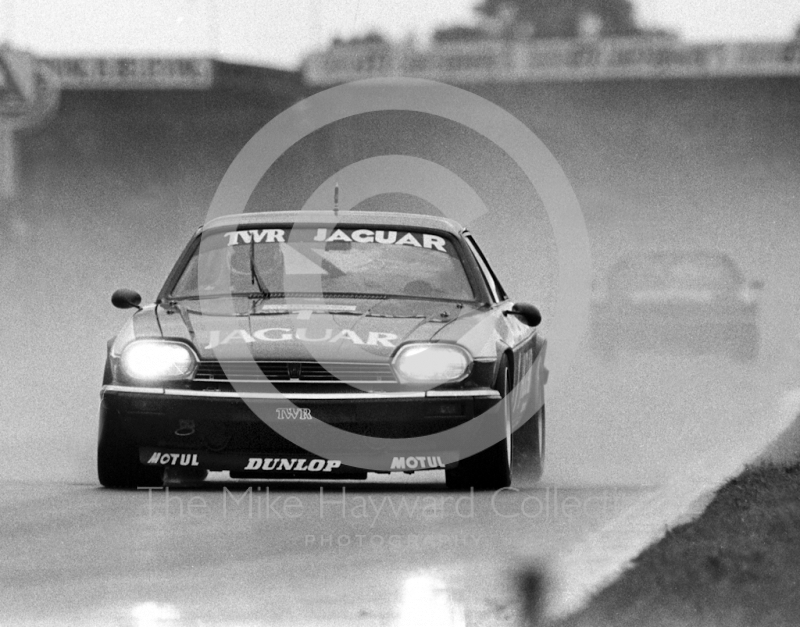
x: 371, y: 38
x: 564, y: 18
x: 537, y: 19
x: 460, y: 33
x: 543, y: 19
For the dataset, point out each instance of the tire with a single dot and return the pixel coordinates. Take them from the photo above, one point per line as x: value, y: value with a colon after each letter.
x: 491, y: 468
x: 528, y: 445
x: 118, y: 461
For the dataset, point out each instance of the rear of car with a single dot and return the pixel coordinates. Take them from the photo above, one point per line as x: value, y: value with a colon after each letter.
x: 696, y: 301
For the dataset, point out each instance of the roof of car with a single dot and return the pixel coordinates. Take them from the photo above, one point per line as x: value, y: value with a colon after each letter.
x: 344, y: 219
x: 673, y: 256
x: 647, y: 261
x: 680, y: 254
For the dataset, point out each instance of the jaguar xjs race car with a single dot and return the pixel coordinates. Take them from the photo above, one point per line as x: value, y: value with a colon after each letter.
x: 307, y: 345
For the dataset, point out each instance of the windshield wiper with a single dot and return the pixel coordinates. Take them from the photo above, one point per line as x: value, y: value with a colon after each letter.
x: 216, y: 295
x: 255, y: 279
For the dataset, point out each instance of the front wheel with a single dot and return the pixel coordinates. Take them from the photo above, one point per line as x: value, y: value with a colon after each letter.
x: 528, y: 448
x: 118, y: 461
x: 491, y: 468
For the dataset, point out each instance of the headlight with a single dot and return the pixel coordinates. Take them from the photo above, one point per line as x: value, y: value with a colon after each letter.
x: 153, y: 360
x: 431, y: 363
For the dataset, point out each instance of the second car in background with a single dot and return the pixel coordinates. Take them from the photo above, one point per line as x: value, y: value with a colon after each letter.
x: 697, y: 300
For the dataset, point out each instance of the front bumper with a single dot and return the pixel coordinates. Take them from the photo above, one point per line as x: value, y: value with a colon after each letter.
x: 220, y: 430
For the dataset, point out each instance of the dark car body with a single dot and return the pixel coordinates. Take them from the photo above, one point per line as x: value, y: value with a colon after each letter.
x: 696, y: 300
x: 331, y: 355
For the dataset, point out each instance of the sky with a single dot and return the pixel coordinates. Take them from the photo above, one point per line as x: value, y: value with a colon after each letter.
x: 280, y: 33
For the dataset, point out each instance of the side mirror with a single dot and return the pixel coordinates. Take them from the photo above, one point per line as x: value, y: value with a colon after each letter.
x: 126, y: 299
x: 758, y: 284
x: 530, y: 314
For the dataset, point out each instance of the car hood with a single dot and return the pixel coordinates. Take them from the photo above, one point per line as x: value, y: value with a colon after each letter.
x: 357, y: 329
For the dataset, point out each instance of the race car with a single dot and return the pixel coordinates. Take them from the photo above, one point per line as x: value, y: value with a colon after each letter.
x: 315, y: 345
x: 690, y: 300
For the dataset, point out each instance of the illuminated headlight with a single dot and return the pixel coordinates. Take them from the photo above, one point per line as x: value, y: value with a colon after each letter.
x: 148, y: 360
x: 431, y: 363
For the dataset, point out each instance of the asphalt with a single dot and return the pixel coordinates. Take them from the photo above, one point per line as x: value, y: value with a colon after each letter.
x: 286, y: 553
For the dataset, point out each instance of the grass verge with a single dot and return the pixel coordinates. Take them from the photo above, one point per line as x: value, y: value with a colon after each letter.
x: 737, y: 564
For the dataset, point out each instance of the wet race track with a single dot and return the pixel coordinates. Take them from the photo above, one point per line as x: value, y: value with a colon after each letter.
x: 283, y: 555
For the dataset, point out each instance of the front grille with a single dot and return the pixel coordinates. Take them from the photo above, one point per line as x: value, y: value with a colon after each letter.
x: 310, y: 371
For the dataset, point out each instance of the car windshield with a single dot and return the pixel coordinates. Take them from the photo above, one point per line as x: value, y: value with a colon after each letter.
x: 668, y: 272
x: 364, y: 261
